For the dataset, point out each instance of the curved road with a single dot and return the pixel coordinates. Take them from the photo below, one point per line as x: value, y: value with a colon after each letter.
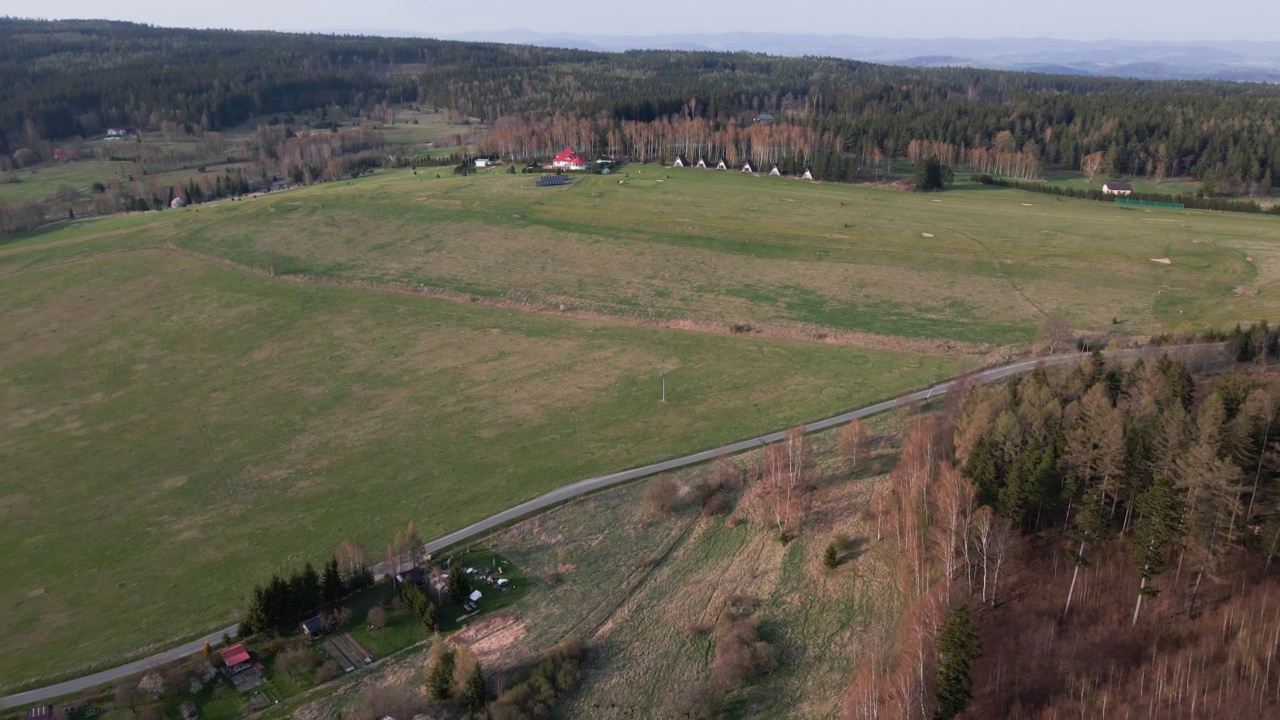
x: 583, y: 487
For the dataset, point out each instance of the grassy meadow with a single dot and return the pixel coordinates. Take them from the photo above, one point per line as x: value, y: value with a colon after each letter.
x: 725, y: 248
x: 176, y: 430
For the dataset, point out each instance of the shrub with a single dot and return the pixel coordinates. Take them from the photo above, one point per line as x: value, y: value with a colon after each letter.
x: 741, y: 654
x: 662, y: 495
x: 327, y: 671
x: 697, y: 702
x: 831, y: 558
x: 536, y: 689
x: 296, y: 662
x: 377, y: 617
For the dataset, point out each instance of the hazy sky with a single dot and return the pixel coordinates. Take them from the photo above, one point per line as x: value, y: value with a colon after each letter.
x: 1078, y: 19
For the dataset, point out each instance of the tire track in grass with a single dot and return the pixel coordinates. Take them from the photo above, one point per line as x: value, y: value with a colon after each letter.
x: 1012, y: 283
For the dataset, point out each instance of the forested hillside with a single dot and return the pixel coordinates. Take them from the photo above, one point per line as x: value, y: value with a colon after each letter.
x: 1113, y: 530
x: 77, y: 78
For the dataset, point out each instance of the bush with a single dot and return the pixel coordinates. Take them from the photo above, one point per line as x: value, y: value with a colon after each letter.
x: 697, y: 702
x: 536, y: 689
x: 831, y: 558
x: 327, y: 671
x: 662, y: 495
x: 296, y: 662
x: 377, y: 617
x: 741, y: 654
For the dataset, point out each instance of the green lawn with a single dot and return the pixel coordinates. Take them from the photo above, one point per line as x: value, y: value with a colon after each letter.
x: 176, y: 431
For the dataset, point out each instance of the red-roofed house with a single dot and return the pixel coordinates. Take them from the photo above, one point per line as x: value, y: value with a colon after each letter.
x: 568, y: 160
x: 236, y: 658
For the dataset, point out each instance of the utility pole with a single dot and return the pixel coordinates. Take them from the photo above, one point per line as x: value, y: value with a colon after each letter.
x: 664, y: 387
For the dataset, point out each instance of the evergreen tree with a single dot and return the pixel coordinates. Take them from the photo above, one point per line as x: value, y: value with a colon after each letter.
x: 1157, y: 531
x: 332, y: 584
x: 459, y: 585
x: 473, y: 700
x: 930, y: 174
x: 982, y: 472
x: 440, y: 670
x: 958, y: 648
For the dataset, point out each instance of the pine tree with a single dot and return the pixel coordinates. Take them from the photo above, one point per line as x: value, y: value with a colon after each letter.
x: 440, y: 670
x: 474, y: 698
x: 958, y: 648
x: 332, y: 584
x: 459, y: 585
x: 1157, y: 531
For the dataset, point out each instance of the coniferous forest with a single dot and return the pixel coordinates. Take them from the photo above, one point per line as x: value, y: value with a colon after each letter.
x: 65, y: 79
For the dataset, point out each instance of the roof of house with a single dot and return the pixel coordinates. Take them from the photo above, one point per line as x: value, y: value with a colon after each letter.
x: 313, y: 625
x: 235, y: 655
x: 415, y: 575
x: 569, y: 156
x: 1117, y: 186
x: 41, y: 712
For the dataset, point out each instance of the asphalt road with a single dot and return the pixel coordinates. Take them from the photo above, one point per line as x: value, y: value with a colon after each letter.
x: 583, y: 487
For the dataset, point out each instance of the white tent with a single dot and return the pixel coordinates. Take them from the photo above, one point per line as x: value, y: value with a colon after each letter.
x: 475, y: 596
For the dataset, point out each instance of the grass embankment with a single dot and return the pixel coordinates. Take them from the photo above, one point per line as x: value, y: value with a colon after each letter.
x: 176, y: 431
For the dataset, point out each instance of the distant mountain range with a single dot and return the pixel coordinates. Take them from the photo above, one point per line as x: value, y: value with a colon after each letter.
x: 1238, y: 61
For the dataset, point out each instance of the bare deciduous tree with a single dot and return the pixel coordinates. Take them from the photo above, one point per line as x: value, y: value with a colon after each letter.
x: 1091, y: 164
x: 852, y: 440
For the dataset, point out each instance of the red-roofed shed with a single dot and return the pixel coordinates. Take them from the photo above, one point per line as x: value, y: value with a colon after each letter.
x: 235, y: 655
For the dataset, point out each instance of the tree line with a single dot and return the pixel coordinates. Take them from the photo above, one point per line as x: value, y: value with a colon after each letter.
x: 64, y: 79
x: 1195, y: 202
x: 281, y: 602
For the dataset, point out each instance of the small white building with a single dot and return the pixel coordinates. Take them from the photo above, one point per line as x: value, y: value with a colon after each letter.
x: 722, y: 165
x: 680, y: 162
x: 808, y: 174
x: 483, y: 162
x: 747, y: 168
x: 775, y: 171
x: 702, y: 164
x: 1117, y: 188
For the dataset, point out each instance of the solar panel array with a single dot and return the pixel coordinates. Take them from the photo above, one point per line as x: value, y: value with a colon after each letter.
x: 549, y: 180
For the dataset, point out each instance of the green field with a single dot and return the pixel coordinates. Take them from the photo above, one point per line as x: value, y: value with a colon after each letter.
x: 724, y: 248
x: 175, y: 430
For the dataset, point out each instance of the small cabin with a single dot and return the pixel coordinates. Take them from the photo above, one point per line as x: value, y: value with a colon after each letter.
x: 680, y: 162
x: 1117, y: 188
x: 701, y: 164
x: 775, y: 171
x: 808, y: 174
x: 747, y: 168
x: 313, y: 627
x: 722, y: 165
